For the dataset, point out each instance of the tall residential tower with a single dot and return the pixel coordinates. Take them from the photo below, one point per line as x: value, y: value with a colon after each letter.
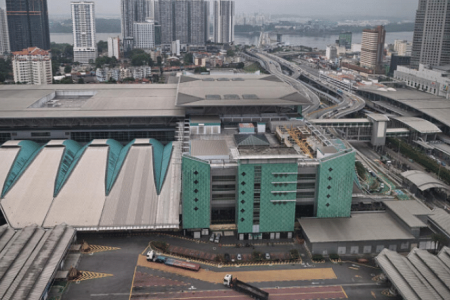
x: 28, y: 24
x: 84, y: 42
x: 431, y: 42
x: 4, y: 36
x: 224, y: 21
x: 372, y: 48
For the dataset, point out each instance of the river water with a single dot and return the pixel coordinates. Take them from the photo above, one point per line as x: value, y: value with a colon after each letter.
x: 320, y: 42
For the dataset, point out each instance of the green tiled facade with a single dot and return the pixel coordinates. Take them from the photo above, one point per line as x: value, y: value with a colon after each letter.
x: 274, y: 186
x: 335, y: 185
x: 196, y: 193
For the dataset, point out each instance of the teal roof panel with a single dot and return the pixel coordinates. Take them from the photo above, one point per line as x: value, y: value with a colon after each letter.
x: 28, y: 151
x: 115, y: 162
x: 161, y: 161
x: 71, y: 156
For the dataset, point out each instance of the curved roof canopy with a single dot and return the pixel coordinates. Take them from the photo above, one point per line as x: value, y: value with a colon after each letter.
x: 418, y: 124
x: 424, y: 181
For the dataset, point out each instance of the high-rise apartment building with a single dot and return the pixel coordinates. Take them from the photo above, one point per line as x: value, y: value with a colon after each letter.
x: 144, y: 35
x: 431, y: 42
x: 4, y: 36
x: 114, y: 47
x: 224, y: 12
x: 32, y: 66
x: 28, y: 24
x: 84, y: 42
x: 133, y: 11
x: 184, y: 20
x: 372, y: 48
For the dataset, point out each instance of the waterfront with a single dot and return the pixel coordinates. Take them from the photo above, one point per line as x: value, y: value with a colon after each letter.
x: 320, y: 42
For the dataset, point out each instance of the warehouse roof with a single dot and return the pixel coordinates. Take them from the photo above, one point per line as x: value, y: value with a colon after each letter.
x: 136, y: 186
x: 359, y: 227
x: 205, y: 120
x: 424, y: 181
x: 418, y: 124
x: 420, y: 275
x: 408, y: 210
x: 251, y: 140
x: 226, y: 90
x: 30, y: 258
x: 88, y: 100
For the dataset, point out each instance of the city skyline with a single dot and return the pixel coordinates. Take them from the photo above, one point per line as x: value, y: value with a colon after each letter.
x: 402, y: 9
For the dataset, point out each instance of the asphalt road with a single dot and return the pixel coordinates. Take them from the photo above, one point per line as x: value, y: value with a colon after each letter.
x: 356, y: 281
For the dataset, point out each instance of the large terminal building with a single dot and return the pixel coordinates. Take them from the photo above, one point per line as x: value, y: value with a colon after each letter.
x: 232, y: 151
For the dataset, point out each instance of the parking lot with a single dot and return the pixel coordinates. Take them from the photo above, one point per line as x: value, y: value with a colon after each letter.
x: 132, y: 277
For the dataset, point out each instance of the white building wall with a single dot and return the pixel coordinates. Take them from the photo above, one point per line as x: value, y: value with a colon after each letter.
x: 114, y: 47
x: 83, y: 19
x: 144, y: 35
x: 32, y: 68
x: 426, y: 79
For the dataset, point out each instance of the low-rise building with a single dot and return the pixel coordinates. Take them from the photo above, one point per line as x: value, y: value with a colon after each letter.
x: 433, y: 80
x: 32, y: 66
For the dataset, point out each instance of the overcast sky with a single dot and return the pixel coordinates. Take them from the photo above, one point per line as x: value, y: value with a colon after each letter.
x: 352, y: 8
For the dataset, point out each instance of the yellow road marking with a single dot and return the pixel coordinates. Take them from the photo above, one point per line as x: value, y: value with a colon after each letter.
x: 98, y: 248
x: 346, y: 297
x: 373, y: 294
x: 132, y: 283
x: 354, y: 268
x: 87, y: 275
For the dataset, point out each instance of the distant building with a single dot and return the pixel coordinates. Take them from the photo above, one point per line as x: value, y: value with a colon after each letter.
x: 144, y: 35
x: 114, y: 47
x: 431, y: 42
x: 224, y: 11
x: 331, y: 52
x: 434, y: 80
x: 4, y: 35
x: 84, y: 42
x: 184, y: 20
x: 400, y: 47
x: 372, y: 48
x: 133, y: 11
x: 175, y: 48
x: 345, y: 39
x: 33, y: 66
x: 28, y: 24
x: 398, y: 60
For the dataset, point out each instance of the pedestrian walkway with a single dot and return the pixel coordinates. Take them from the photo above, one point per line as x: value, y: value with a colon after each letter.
x: 247, y: 276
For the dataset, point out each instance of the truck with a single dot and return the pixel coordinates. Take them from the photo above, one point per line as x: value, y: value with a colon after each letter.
x: 245, y: 288
x: 152, y: 256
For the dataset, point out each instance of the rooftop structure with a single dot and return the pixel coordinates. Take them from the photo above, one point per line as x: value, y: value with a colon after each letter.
x: 441, y: 220
x: 360, y: 227
x: 112, y: 197
x: 424, y: 181
x: 410, y: 212
x: 420, y: 275
x: 418, y: 124
x: 432, y: 80
x: 30, y: 259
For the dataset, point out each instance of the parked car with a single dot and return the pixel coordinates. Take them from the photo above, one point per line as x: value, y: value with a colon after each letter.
x: 227, y: 257
x: 217, y: 240
x: 239, y: 257
x: 211, y: 239
x: 267, y: 256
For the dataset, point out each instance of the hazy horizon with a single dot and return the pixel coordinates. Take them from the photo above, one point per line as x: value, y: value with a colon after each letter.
x: 355, y: 9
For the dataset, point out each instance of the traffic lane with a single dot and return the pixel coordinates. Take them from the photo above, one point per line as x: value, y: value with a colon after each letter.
x: 298, y: 293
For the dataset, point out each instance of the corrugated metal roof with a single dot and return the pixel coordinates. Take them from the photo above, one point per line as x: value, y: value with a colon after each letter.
x: 209, y: 148
x: 424, y: 181
x: 420, y: 275
x: 30, y: 258
x: 408, y: 210
x: 442, y: 219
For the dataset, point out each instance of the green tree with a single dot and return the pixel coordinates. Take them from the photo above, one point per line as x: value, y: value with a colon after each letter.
x: 67, y: 69
x: 188, y: 58
x: 142, y: 59
x: 240, y: 65
x: 128, y: 79
x: 230, y: 53
x: 80, y: 80
x: 175, y: 63
x: 159, y: 61
x: 102, y: 46
x: 5, y: 69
